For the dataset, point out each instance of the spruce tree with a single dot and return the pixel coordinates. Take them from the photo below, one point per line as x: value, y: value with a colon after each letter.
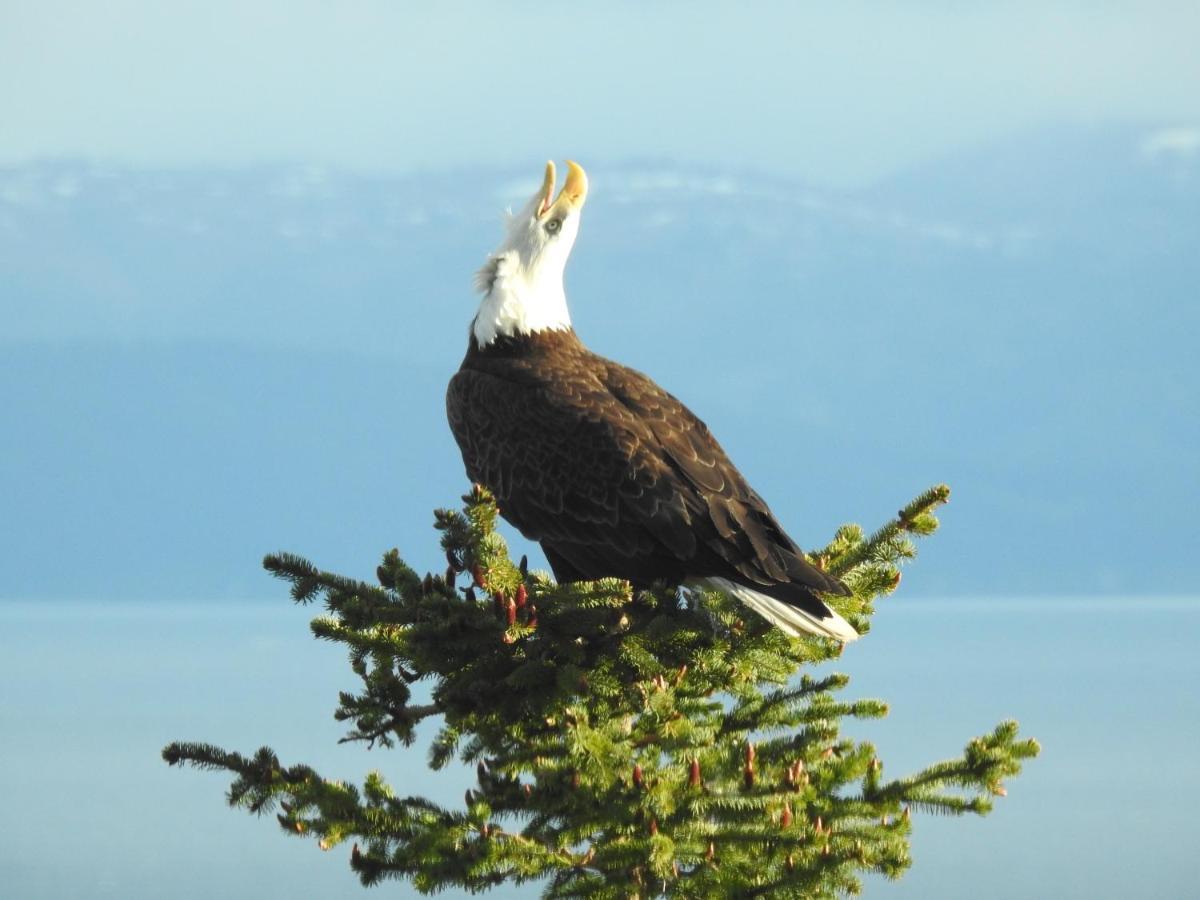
x: 649, y: 743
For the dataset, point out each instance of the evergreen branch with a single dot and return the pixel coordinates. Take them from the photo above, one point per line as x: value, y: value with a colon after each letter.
x: 889, y: 544
x: 985, y: 762
x: 372, y: 727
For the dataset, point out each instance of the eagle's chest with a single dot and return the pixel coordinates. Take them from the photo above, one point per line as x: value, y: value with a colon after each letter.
x: 504, y: 404
x: 515, y: 401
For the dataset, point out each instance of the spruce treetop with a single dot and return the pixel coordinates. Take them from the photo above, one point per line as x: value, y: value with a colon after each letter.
x: 655, y: 743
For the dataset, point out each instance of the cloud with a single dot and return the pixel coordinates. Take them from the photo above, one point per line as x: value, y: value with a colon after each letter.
x: 1171, y: 142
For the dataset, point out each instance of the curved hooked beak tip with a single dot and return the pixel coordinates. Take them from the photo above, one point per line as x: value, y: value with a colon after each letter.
x: 574, y: 190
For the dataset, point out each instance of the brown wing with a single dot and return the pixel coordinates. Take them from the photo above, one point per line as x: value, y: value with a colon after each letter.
x: 736, y: 525
x: 614, y: 476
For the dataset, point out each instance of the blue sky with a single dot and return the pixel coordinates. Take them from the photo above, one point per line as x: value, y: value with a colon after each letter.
x: 838, y: 94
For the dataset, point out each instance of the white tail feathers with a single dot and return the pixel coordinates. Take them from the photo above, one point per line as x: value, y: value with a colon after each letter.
x: 792, y: 620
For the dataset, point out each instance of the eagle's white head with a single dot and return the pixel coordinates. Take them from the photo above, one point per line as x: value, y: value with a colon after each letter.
x: 522, y: 280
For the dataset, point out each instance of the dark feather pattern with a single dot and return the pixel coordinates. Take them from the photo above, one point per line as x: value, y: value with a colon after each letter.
x: 613, y: 476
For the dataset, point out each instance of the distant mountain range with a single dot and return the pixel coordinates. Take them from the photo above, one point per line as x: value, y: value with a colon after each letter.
x: 200, y: 366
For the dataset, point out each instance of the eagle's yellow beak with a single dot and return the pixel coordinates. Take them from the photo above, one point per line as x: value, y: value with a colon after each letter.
x: 573, y: 193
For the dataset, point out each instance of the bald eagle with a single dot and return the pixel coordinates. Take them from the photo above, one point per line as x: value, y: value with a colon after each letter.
x: 611, y: 474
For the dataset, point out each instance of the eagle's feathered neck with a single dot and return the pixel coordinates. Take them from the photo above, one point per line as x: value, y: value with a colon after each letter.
x: 527, y: 348
x: 520, y: 300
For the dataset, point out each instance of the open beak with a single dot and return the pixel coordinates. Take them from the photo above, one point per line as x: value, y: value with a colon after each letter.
x: 572, y: 195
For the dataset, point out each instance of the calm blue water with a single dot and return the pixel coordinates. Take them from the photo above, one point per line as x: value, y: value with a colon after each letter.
x: 89, y: 694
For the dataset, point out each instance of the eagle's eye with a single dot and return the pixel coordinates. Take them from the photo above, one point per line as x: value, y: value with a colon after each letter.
x: 553, y: 226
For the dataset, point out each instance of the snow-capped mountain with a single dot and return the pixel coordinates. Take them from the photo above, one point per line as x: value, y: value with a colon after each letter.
x: 202, y: 365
